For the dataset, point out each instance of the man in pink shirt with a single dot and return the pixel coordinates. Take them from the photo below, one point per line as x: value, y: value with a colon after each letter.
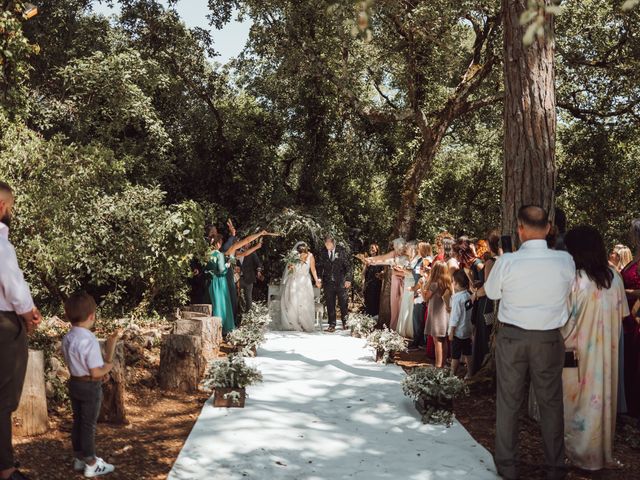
x: 18, y: 317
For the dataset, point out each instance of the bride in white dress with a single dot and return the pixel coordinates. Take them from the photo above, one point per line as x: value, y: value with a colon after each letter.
x: 297, y: 300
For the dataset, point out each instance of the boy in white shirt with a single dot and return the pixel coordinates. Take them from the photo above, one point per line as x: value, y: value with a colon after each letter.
x: 460, y: 327
x: 87, y: 368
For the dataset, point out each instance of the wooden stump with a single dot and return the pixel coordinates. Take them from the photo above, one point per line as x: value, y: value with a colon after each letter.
x: 182, y: 363
x: 203, y: 327
x: 31, y: 418
x: 211, y: 332
x: 113, y: 407
x: 204, y: 308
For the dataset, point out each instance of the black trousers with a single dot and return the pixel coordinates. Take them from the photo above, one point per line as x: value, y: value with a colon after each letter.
x: 540, y: 355
x: 13, y: 367
x: 332, y: 291
x: 86, y: 398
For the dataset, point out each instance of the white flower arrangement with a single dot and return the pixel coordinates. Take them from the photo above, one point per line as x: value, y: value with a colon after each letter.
x: 433, y: 391
x: 251, y: 332
x: 361, y: 325
x: 231, y: 372
x: 234, y: 395
x: 386, y: 341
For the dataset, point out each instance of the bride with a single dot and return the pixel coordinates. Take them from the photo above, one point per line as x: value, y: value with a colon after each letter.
x: 297, y: 301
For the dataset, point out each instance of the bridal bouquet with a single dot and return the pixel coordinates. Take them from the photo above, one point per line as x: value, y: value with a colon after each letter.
x: 386, y: 342
x: 291, y: 259
x: 433, y: 391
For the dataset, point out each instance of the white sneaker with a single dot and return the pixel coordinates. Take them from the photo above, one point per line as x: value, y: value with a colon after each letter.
x: 99, y: 468
x: 78, y: 465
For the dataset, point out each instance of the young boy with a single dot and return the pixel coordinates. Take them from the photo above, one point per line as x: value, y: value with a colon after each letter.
x: 460, y: 328
x: 87, y: 368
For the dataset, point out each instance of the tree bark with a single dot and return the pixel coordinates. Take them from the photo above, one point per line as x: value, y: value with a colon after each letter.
x: 31, y: 418
x: 182, y: 363
x: 113, y: 408
x: 207, y: 328
x: 529, y: 118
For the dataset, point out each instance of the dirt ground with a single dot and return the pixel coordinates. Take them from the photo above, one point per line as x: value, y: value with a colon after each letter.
x: 478, y: 414
x: 161, y: 421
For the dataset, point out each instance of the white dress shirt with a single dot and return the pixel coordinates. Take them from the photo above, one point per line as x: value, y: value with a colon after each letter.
x: 533, y: 286
x: 14, y: 291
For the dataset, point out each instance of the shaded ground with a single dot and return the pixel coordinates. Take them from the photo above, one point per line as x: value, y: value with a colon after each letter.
x: 478, y: 414
x: 144, y: 449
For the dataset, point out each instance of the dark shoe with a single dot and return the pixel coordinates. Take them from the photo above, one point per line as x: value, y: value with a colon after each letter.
x: 344, y: 325
x: 331, y: 329
x: 18, y: 475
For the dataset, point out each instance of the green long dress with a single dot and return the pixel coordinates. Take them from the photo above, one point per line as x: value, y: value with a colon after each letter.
x: 219, y: 290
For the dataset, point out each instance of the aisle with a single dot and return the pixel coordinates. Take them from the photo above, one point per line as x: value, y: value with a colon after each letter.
x: 326, y: 411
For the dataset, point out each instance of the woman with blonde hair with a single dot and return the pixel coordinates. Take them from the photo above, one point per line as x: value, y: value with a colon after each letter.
x: 437, y: 292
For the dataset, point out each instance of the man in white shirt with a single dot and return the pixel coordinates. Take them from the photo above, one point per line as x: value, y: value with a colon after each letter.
x: 533, y: 286
x: 18, y: 316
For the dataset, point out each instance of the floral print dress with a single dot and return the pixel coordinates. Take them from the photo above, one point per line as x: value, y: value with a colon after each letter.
x: 590, y: 391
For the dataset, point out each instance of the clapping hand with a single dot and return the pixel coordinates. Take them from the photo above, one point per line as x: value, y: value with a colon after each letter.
x: 347, y: 285
x: 231, y: 227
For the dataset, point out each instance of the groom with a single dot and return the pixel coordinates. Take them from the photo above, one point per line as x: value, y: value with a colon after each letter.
x: 334, y: 272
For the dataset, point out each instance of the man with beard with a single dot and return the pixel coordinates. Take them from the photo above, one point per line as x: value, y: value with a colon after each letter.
x: 18, y: 317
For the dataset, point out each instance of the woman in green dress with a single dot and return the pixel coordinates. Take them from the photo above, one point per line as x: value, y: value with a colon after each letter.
x: 218, y: 287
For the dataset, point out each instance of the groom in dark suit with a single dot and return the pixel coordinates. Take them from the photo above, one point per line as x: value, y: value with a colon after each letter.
x: 334, y: 271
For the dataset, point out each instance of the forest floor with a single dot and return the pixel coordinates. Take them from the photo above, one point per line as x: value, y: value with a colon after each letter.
x: 160, y: 422
x: 477, y: 413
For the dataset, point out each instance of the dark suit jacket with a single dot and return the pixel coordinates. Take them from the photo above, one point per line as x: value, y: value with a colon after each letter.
x: 338, y: 271
x: 250, y: 266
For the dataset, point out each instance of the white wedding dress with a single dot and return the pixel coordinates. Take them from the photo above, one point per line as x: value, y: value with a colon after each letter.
x: 297, y: 301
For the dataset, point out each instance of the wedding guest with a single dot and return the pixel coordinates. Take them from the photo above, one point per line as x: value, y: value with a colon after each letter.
x: 533, y: 286
x: 425, y: 253
x: 625, y: 256
x: 405, y: 317
x: 18, y: 317
x: 372, y: 275
x: 397, y: 261
x: 440, y: 246
x: 592, y: 334
x: 217, y: 269
x: 631, y: 276
x: 483, y: 307
x: 449, y: 254
x: 250, y: 271
x: 460, y: 327
x: 87, y: 368
x: 437, y: 292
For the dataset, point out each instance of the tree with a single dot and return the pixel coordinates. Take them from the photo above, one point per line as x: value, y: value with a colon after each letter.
x: 529, y: 117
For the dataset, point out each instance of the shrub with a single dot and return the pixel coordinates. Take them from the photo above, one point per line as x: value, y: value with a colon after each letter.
x: 80, y: 224
x: 433, y: 390
x: 251, y: 332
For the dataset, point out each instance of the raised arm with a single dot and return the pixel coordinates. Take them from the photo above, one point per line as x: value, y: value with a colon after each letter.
x: 246, y: 241
x: 380, y: 258
x: 248, y: 252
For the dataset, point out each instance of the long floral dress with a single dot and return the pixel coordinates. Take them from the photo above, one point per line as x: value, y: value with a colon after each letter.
x: 219, y: 290
x: 590, y: 391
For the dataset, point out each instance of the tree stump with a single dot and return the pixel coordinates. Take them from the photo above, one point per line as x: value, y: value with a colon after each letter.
x: 182, y: 363
x: 113, y: 407
x: 214, y: 330
x: 204, y: 308
x: 203, y: 327
x: 31, y: 418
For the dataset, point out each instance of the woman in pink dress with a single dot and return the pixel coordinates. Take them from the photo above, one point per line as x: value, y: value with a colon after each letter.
x: 631, y: 276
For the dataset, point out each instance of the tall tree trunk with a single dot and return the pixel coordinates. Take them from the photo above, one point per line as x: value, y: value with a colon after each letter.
x: 406, y: 220
x: 529, y: 118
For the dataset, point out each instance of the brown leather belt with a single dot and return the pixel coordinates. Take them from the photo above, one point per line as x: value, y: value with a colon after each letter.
x: 86, y: 378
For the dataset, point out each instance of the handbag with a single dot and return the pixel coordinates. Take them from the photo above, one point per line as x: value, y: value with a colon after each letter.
x: 490, y: 313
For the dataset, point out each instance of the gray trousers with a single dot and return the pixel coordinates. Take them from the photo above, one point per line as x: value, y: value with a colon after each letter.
x: 540, y: 356
x: 13, y: 367
x: 246, y: 289
x: 86, y: 398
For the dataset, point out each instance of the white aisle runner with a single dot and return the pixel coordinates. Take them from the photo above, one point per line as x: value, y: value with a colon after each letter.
x: 326, y: 411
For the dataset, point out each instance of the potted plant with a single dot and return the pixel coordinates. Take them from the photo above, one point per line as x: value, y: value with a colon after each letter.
x: 385, y: 343
x: 251, y: 333
x: 229, y: 378
x: 433, y: 391
x: 361, y: 325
